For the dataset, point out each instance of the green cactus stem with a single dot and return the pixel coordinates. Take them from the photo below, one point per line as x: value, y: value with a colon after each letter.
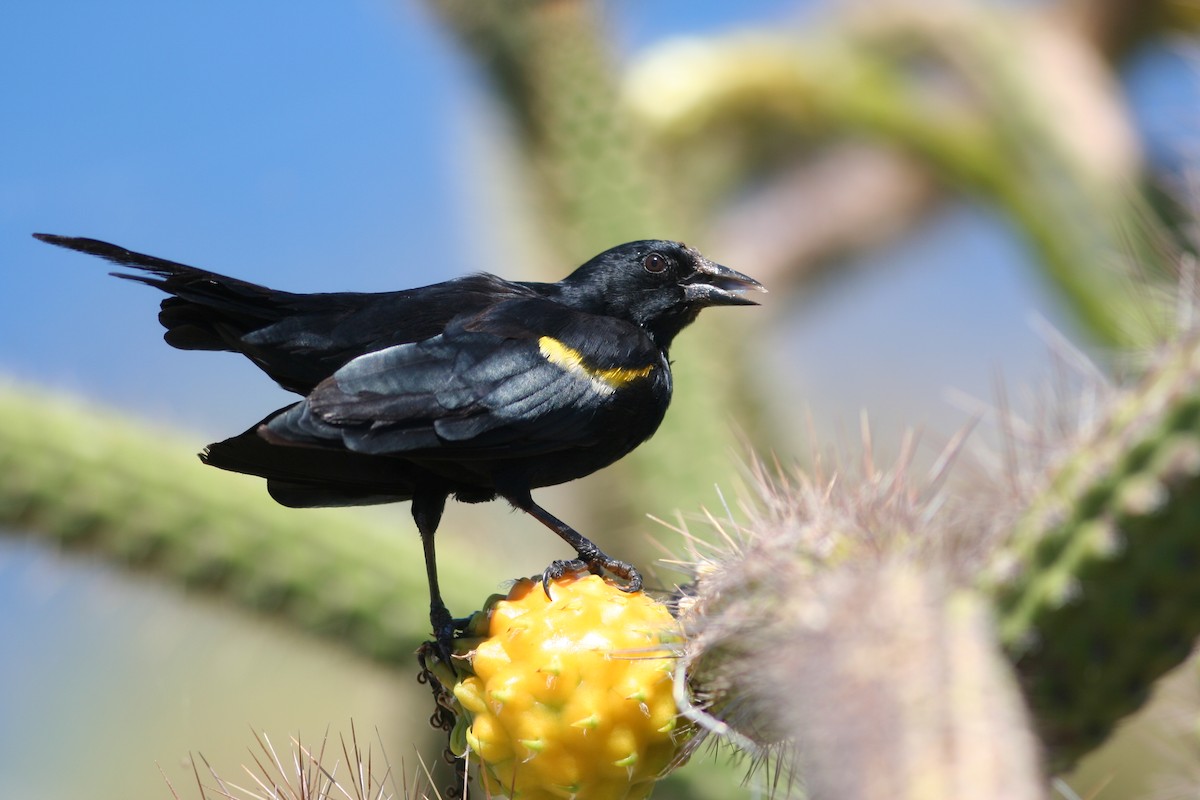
x: 93, y: 481
x: 1097, y: 591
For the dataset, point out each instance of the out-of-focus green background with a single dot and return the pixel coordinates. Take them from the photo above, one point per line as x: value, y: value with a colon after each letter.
x: 917, y: 204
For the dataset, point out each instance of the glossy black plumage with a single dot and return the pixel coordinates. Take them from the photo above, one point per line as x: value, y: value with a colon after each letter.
x: 475, y: 388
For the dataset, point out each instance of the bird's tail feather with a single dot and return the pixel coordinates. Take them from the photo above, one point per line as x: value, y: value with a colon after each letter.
x: 208, y: 311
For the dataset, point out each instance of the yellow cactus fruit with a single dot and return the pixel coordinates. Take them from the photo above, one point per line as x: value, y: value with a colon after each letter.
x: 571, y: 695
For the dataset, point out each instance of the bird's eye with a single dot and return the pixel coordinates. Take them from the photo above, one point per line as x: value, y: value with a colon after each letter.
x: 655, y: 263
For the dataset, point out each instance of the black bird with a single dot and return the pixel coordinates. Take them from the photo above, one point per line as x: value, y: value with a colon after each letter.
x: 478, y: 387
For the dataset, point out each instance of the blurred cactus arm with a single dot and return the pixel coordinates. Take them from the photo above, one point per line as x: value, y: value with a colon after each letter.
x: 95, y: 482
x: 992, y: 101
x: 1096, y: 590
x: 551, y: 66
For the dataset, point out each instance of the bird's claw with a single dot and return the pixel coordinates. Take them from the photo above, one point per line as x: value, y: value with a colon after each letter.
x: 597, y: 565
x: 559, y: 568
x: 622, y: 569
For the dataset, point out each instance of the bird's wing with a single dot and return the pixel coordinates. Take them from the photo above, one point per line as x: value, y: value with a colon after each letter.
x: 463, y: 394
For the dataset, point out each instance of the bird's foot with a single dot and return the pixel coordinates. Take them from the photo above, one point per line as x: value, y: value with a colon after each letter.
x: 444, y: 627
x: 444, y: 716
x: 597, y: 563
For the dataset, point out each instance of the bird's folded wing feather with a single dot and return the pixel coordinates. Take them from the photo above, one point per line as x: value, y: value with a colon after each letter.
x: 456, y: 394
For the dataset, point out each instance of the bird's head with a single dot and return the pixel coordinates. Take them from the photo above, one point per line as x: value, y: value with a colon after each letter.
x: 657, y: 284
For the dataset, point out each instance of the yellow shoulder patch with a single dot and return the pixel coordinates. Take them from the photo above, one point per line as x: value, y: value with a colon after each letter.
x: 571, y: 360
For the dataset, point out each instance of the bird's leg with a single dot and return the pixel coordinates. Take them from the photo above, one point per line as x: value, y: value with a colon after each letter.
x: 589, y: 555
x: 427, y: 511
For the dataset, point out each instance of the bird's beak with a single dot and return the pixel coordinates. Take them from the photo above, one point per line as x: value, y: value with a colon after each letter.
x: 714, y: 285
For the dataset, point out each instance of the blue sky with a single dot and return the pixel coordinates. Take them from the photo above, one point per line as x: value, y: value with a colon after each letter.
x: 311, y: 150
